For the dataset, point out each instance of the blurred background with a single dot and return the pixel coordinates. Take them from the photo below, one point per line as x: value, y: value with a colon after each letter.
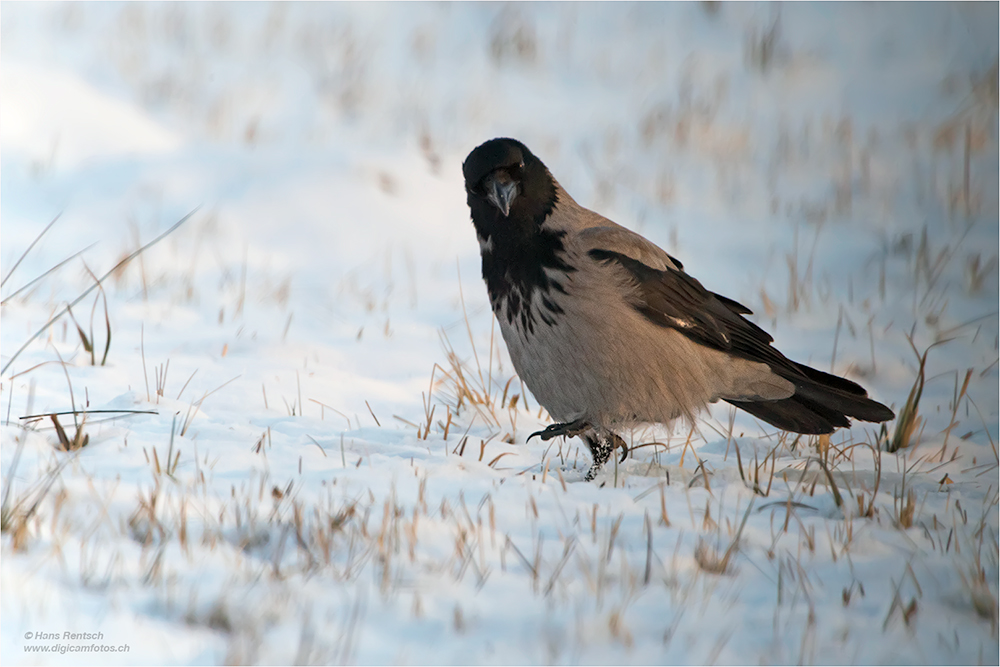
x: 789, y: 154
x: 703, y: 103
x: 833, y: 166
x: 828, y: 165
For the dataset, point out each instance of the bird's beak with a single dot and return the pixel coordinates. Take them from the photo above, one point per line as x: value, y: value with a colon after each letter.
x: 501, y: 191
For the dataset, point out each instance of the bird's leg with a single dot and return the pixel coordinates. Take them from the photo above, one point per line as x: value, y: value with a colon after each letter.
x: 568, y: 429
x: 601, y: 444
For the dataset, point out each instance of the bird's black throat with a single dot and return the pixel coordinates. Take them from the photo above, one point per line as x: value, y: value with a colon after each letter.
x: 516, y: 251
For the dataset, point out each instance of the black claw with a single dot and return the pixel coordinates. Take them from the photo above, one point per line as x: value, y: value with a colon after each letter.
x: 568, y: 429
x: 618, y: 443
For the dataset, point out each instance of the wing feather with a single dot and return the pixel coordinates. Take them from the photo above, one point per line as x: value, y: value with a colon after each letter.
x: 672, y: 298
x: 667, y: 296
x: 618, y: 239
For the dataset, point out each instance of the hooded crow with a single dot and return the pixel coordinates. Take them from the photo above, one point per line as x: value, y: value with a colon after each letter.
x: 608, y: 331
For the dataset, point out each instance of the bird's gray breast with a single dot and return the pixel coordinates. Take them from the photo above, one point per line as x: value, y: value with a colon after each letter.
x: 556, y: 341
x: 534, y: 327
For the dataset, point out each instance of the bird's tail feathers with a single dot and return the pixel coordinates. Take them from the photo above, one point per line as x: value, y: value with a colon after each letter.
x: 821, y: 403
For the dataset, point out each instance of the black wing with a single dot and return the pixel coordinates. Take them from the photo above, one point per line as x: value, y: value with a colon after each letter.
x: 674, y: 299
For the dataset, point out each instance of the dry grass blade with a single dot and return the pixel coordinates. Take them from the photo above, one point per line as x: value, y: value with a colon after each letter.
x: 466, y: 390
x: 372, y: 413
x: 25, y: 253
x: 789, y: 503
x: 80, y: 439
x: 908, y: 421
x: 468, y: 329
x: 736, y: 538
x: 986, y: 429
x: 869, y: 511
x: 739, y: 463
x: 14, y: 516
x: 72, y: 401
x: 195, y: 406
x: 524, y: 561
x: 107, y: 324
x: 90, y: 289
x: 648, y: 571
x: 107, y: 320
x: 498, y: 457
x: 60, y: 433
x: 954, y: 410
x: 171, y: 460
x: 31, y: 282
x: 88, y: 345
x: 612, y: 536
x: 90, y: 412
x: 317, y: 444
x: 829, y: 478
x: 5, y: 509
x: 567, y: 552
x: 706, y: 557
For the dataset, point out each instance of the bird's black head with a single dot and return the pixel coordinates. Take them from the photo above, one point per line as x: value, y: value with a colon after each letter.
x: 511, y: 194
x: 509, y: 189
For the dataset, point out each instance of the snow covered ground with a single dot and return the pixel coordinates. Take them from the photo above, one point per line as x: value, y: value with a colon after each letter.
x: 328, y: 460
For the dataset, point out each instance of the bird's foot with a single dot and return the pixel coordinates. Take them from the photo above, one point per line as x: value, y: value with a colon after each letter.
x: 568, y: 429
x: 601, y: 447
